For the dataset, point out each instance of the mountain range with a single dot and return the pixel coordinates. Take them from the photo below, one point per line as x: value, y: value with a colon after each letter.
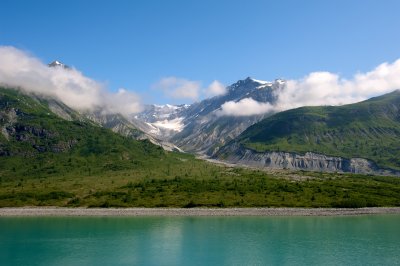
x: 361, y: 137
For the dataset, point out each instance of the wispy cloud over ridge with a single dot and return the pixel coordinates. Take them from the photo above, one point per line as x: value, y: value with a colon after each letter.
x: 216, y: 88
x: 21, y: 70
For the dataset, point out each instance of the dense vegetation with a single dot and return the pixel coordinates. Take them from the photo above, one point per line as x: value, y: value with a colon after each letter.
x: 194, y: 183
x: 369, y: 129
x: 46, y: 160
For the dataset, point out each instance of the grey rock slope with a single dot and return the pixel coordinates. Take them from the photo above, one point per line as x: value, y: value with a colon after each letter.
x: 115, y: 122
x: 121, y: 125
x: 237, y: 154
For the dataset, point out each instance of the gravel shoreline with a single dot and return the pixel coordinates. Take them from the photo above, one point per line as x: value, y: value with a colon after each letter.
x: 59, y: 211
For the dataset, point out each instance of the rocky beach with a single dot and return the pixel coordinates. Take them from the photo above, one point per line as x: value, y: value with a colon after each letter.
x: 58, y: 211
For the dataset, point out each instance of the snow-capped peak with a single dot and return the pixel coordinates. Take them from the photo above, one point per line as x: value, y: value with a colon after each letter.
x: 57, y: 63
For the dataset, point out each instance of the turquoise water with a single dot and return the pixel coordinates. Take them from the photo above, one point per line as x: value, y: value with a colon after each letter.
x: 363, y: 240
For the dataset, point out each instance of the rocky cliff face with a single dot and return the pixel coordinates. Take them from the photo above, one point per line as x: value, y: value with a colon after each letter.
x: 115, y: 122
x: 14, y: 129
x: 309, y: 161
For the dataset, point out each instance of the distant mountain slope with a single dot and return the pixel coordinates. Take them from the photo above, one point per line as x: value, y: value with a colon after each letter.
x: 116, y: 122
x: 160, y: 121
x: 369, y: 129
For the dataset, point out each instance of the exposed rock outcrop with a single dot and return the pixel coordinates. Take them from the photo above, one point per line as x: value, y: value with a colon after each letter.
x: 309, y: 161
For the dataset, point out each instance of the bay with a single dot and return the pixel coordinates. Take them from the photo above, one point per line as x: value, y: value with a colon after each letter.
x: 355, y: 240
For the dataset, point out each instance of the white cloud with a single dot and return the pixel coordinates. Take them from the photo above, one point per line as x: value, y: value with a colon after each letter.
x: 179, y: 88
x: 245, y: 107
x: 21, y: 70
x: 216, y: 88
x: 324, y: 88
x: 123, y: 102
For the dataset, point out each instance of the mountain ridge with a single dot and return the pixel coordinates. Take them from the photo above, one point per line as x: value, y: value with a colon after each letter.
x: 368, y: 130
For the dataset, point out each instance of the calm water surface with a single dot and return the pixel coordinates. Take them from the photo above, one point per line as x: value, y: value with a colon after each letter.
x: 363, y: 240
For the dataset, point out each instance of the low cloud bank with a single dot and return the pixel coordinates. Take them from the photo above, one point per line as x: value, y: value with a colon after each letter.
x: 245, y: 107
x: 18, y: 69
x: 323, y: 88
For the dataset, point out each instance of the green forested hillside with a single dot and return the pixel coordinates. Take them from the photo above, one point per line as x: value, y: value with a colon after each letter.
x: 369, y: 129
x: 36, y: 142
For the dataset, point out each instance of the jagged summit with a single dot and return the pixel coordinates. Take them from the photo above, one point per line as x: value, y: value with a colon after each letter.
x: 262, y: 82
x: 57, y: 63
x: 251, y: 83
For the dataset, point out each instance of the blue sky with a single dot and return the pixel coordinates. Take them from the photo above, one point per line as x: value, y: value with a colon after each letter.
x: 135, y: 44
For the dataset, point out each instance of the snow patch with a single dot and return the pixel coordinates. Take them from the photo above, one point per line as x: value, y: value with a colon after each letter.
x: 173, y: 124
x: 269, y: 85
x: 261, y: 81
x: 153, y: 130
